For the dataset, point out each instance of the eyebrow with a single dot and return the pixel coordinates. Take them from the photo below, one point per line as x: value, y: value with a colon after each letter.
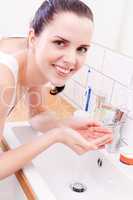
x: 65, y: 40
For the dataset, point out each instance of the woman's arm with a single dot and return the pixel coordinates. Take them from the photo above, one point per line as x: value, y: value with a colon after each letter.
x: 13, y: 160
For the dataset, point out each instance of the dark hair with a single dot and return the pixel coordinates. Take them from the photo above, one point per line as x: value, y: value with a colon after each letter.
x: 45, y: 14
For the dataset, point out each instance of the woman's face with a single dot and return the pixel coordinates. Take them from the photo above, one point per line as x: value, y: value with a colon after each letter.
x: 61, y: 48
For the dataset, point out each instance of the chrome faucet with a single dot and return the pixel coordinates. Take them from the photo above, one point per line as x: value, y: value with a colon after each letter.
x: 116, y: 127
x: 114, y: 120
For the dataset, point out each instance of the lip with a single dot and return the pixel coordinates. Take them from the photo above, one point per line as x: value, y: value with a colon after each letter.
x: 61, y: 71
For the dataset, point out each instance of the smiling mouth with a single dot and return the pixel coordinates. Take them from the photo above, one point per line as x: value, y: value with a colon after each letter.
x: 61, y: 71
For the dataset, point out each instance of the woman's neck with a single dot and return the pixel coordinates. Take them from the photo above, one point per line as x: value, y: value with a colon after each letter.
x: 29, y: 74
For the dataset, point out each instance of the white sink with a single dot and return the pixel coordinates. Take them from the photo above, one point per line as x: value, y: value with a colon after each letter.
x: 58, y: 168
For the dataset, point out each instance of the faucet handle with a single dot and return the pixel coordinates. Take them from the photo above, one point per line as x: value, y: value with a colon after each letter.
x: 119, y: 115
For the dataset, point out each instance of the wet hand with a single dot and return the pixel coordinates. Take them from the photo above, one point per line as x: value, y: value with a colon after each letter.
x: 78, y: 143
x: 90, y: 130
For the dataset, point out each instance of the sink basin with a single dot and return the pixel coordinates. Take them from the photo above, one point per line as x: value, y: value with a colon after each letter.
x: 64, y: 175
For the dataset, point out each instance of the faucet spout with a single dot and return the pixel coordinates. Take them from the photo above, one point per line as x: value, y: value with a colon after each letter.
x: 116, y: 126
x: 113, y: 118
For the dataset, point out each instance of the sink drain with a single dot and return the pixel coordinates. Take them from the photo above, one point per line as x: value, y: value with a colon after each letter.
x: 78, y: 187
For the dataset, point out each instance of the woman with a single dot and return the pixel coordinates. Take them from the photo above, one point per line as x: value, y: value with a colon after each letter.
x: 57, y: 44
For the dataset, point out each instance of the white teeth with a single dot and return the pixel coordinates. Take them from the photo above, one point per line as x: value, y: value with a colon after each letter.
x: 62, y: 70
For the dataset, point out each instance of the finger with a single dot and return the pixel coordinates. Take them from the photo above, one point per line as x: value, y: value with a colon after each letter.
x: 97, y: 134
x: 100, y: 130
x: 90, y: 146
x: 103, y: 143
x: 78, y: 149
x: 87, y: 134
x: 86, y: 144
x: 101, y: 147
x: 102, y: 140
x: 96, y: 131
x: 81, y: 141
x: 94, y: 135
x: 81, y: 150
x: 94, y: 123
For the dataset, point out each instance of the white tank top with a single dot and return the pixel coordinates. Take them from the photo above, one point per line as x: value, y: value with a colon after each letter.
x: 12, y: 63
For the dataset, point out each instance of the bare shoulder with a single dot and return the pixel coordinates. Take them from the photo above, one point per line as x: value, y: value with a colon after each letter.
x: 13, y: 44
x: 6, y: 93
x: 6, y: 76
x: 6, y: 88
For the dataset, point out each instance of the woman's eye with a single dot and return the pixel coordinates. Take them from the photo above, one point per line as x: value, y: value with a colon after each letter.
x: 82, y: 50
x: 59, y: 43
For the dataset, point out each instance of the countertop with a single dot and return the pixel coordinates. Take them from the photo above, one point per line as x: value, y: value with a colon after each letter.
x: 56, y: 103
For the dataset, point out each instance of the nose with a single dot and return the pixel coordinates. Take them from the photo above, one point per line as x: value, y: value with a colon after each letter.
x: 70, y: 58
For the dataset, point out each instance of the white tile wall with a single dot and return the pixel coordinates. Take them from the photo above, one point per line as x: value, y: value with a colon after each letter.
x: 68, y: 91
x: 94, y: 80
x: 79, y: 95
x: 119, y: 96
x: 82, y: 75
x: 118, y: 67
x: 74, y: 92
x: 122, y: 97
x: 95, y: 57
x: 100, y: 84
x: 106, y: 87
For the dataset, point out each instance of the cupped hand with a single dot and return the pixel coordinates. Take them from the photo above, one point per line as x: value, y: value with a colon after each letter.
x: 78, y: 143
x: 90, y: 129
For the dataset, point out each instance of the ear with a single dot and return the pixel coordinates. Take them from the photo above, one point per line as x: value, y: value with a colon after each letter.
x: 31, y: 38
